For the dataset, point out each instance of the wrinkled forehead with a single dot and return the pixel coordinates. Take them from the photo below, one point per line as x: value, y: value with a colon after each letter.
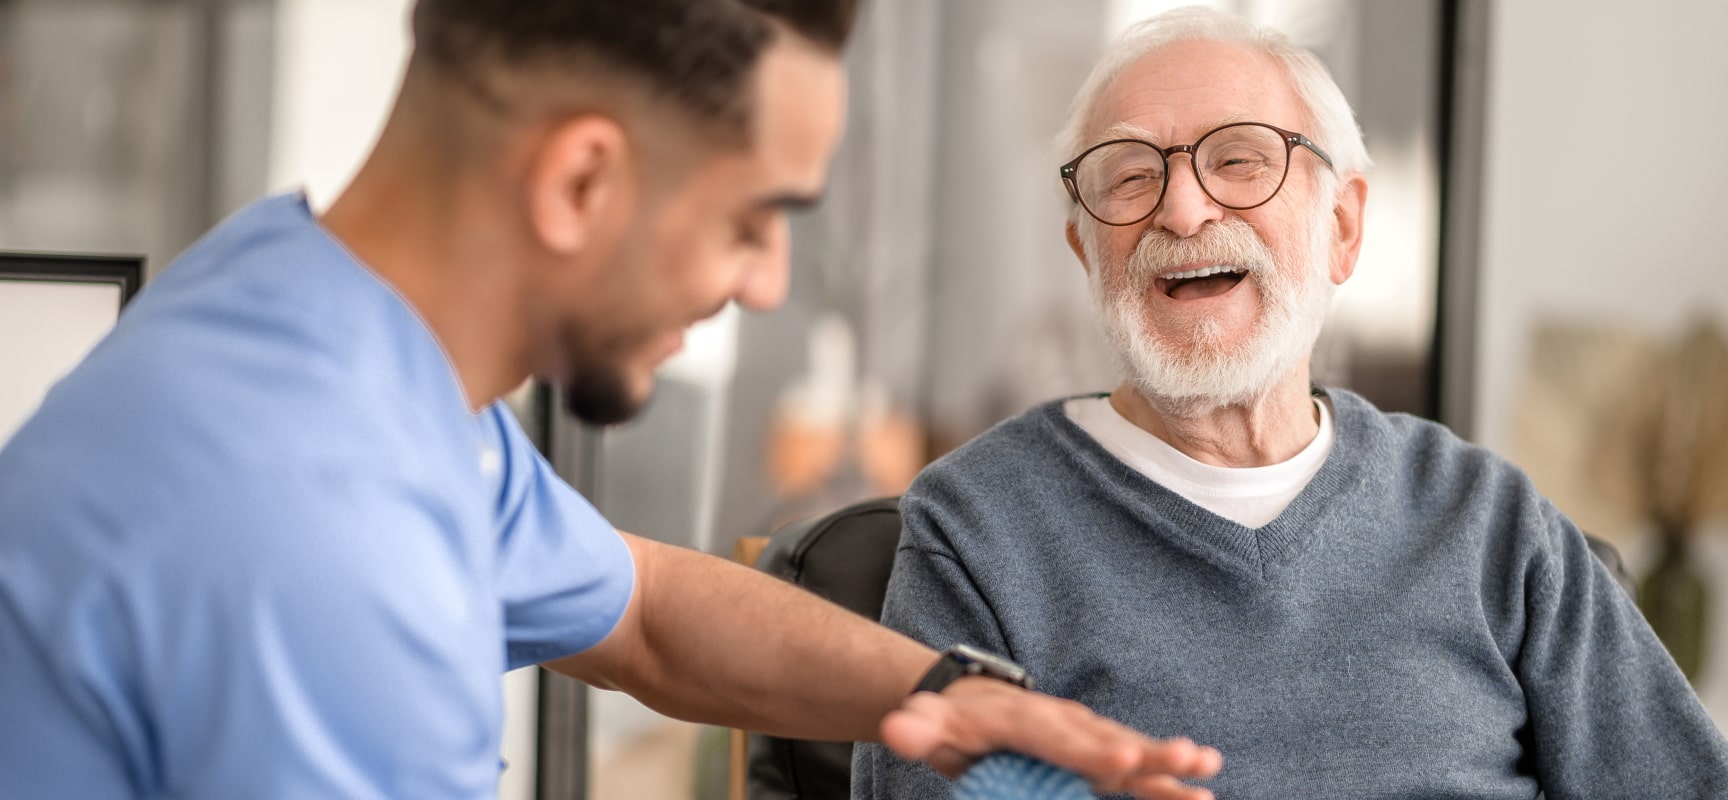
x: 1180, y: 91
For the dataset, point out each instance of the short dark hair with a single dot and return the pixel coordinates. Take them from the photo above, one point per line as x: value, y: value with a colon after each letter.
x: 826, y: 22
x: 695, y: 54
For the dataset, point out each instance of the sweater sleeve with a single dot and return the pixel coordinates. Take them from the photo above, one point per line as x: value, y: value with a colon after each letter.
x: 1610, y: 713
x: 932, y: 599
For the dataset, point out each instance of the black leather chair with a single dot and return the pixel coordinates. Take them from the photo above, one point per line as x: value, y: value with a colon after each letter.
x: 1610, y: 558
x: 845, y: 556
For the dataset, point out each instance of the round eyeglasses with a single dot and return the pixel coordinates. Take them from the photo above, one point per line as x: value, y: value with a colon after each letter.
x: 1240, y: 166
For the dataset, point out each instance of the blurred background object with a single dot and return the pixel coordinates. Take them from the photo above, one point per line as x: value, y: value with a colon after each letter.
x: 130, y: 126
x: 53, y: 309
x: 1628, y: 433
x: 932, y: 292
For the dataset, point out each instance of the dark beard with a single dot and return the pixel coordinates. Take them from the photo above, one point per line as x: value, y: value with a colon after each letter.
x: 601, y: 398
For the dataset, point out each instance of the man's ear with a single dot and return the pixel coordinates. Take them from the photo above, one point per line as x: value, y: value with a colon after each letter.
x: 1347, y: 214
x: 580, y: 175
x: 1074, y: 243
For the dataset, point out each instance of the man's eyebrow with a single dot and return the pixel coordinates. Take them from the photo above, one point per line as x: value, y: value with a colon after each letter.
x: 1122, y: 130
x: 788, y: 201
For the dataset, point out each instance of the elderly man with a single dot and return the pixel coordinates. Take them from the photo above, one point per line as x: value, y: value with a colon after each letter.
x: 276, y: 538
x: 1344, y: 603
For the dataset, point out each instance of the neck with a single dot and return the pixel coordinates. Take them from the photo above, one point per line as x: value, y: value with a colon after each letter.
x: 431, y: 230
x: 1270, y: 429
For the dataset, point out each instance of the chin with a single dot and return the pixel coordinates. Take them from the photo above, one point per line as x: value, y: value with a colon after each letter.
x: 607, y: 398
x: 1206, y: 367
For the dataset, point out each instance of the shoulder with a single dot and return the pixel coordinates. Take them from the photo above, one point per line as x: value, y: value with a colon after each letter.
x: 1036, y: 460
x: 1423, y: 473
x: 269, y: 300
x: 1009, y: 450
x: 1421, y: 456
x: 266, y: 380
x: 264, y: 337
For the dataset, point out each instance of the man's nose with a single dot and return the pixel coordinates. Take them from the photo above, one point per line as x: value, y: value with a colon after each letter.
x: 769, y: 276
x: 1185, y: 207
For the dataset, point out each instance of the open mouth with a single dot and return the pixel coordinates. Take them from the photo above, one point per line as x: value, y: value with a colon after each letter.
x: 1199, y: 284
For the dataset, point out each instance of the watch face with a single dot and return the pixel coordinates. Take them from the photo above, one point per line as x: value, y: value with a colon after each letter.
x: 995, y: 666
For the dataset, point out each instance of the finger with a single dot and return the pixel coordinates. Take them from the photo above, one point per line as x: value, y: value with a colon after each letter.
x: 1071, y: 736
x: 1180, y: 757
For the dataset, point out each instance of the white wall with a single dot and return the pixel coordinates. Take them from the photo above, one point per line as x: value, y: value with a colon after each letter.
x: 48, y: 328
x: 1605, y: 187
x: 1588, y: 212
x: 337, y: 66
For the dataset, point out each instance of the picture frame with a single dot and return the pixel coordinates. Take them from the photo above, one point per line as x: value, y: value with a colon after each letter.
x: 53, y: 308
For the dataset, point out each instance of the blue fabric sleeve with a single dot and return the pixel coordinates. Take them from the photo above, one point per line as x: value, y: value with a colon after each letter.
x: 565, y: 575
x: 294, y: 650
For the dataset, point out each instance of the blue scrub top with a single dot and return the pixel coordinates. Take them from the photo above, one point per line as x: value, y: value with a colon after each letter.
x: 256, y: 545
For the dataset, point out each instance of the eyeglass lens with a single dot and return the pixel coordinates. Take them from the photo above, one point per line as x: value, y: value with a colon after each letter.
x: 1239, y: 166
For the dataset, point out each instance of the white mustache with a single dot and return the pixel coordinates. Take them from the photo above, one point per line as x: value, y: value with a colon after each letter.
x: 1227, y: 241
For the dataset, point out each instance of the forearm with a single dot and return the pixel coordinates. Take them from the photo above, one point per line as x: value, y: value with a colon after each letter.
x: 712, y: 641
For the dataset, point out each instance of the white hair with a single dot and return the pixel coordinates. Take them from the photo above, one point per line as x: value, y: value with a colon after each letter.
x: 1333, y: 125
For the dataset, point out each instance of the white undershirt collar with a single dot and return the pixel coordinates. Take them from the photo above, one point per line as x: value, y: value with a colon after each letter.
x: 1249, y: 496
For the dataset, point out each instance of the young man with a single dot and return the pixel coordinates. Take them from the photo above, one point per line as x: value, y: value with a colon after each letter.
x: 276, y: 537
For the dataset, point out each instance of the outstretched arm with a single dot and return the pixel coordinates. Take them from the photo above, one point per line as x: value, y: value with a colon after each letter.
x: 708, y: 640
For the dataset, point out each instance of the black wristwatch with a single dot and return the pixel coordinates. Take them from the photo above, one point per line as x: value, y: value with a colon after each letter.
x: 961, y: 660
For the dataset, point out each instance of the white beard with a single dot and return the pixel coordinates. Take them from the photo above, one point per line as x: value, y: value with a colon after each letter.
x: 1199, y: 371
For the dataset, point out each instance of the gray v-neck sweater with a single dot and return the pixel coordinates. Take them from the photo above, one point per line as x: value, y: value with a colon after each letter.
x: 1418, y: 623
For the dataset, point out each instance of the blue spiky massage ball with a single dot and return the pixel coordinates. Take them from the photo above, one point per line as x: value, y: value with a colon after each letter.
x: 1011, y: 776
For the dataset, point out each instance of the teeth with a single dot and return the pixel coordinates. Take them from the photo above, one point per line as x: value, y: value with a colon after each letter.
x: 1202, y: 272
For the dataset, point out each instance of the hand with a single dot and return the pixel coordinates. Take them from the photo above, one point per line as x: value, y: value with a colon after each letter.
x: 974, y: 717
